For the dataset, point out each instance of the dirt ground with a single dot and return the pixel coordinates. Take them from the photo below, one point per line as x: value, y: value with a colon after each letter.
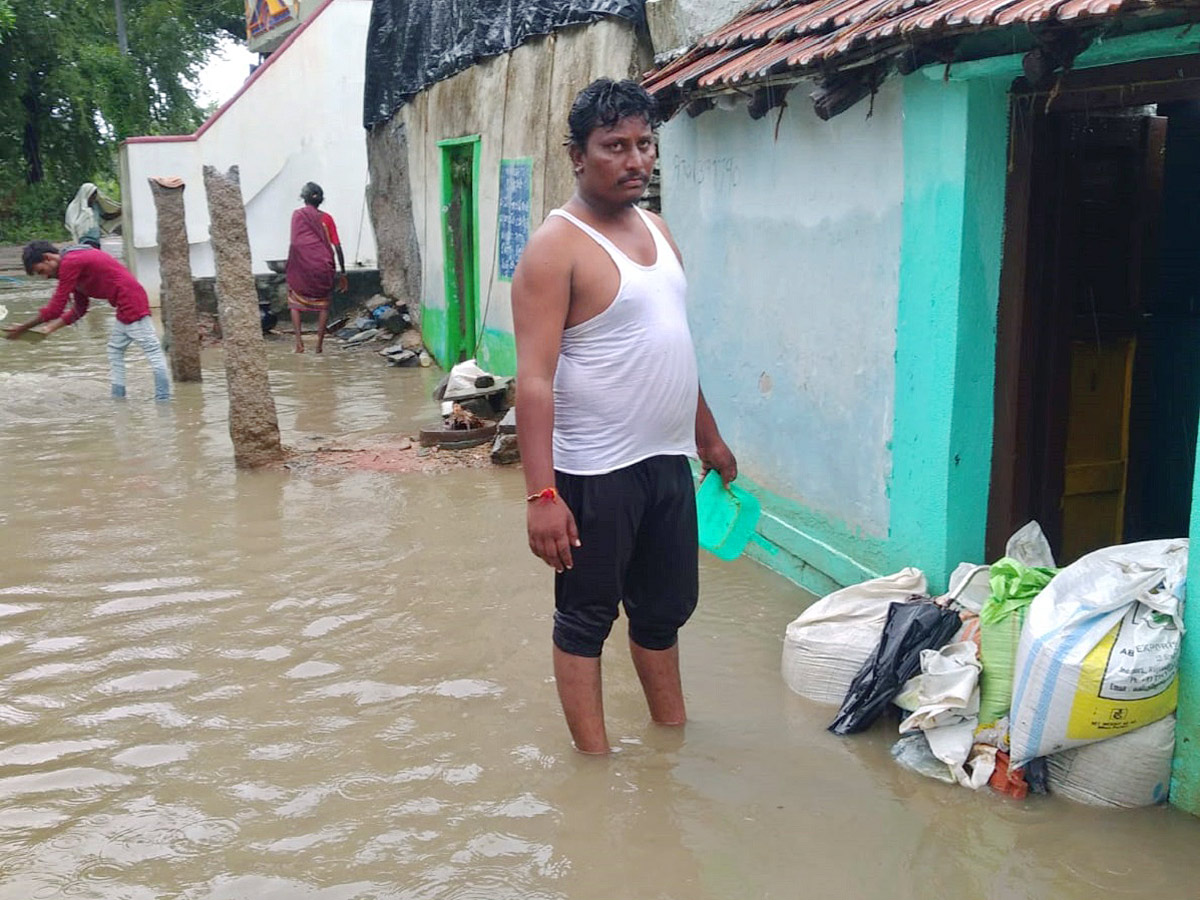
x: 383, y: 453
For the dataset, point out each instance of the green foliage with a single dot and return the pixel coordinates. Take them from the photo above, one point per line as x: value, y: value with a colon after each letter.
x: 7, y: 18
x: 68, y: 96
x: 32, y: 212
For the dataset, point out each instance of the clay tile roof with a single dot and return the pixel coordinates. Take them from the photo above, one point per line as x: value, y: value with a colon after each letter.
x: 807, y: 37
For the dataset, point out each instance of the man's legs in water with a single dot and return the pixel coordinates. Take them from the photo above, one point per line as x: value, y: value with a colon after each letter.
x: 118, y: 342
x: 579, y: 691
x: 142, y: 331
x: 662, y: 586
x: 658, y: 670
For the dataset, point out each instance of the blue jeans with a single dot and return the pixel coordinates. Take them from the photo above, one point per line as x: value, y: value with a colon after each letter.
x: 143, y: 334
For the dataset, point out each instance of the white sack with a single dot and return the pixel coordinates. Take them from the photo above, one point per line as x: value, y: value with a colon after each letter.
x: 947, y: 690
x: 1130, y: 770
x: 825, y: 647
x: 1099, y: 652
x: 1029, y: 547
x: 967, y: 588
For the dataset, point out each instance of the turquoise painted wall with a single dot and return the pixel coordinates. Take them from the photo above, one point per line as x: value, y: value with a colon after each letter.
x: 1185, y: 773
x: 435, y: 332
x: 955, y: 142
x: 791, y: 241
x: 844, y: 282
x: 955, y: 137
x: 498, y: 352
x: 1185, y: 782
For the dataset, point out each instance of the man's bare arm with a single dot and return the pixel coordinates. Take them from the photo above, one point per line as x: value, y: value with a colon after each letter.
x: 541, y: 298
x: 714, y: 453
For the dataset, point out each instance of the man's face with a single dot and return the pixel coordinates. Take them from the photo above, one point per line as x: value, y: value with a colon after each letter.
x: 48, y: 267
x: 617, y: 162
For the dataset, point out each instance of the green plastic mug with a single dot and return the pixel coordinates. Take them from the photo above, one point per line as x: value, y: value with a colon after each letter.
x: 728, y: 519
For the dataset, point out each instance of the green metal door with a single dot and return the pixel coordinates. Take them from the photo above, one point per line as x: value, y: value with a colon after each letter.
x: 460, y: 230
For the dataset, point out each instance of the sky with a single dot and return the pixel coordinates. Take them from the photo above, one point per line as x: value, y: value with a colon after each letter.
x: 227, y: 68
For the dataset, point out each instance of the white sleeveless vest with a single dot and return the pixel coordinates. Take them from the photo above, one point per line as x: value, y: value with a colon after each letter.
x: 626, y: 384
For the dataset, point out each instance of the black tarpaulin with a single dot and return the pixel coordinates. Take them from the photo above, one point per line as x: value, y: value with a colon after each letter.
x: 412, y: 44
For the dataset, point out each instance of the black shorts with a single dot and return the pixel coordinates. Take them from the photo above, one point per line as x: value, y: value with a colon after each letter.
x: 637, y: 526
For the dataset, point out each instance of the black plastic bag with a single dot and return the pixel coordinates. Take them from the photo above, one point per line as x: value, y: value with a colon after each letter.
x: 910, y: 628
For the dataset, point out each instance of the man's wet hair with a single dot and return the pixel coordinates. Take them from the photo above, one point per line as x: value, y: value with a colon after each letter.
x: 34, y: 252
x: 312, y: 193
x: 603, y: 103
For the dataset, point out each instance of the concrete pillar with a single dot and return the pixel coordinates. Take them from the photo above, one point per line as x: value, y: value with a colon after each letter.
x: 179, y: 298
x: 955, y: 170
x: 1185, y: 773
x: 253, y: 424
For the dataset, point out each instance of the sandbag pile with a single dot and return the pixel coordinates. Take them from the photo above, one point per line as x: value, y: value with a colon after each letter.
x: 827, y: 645
x: 1063, y: 680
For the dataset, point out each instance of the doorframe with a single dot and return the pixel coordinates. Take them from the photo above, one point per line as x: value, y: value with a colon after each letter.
x: 1166, y: 45
x: 1108, y: 87
x: 453, y: 323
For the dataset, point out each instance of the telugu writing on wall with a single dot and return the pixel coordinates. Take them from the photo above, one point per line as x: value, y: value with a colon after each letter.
x: 516, y: 194
x: 719, y: 172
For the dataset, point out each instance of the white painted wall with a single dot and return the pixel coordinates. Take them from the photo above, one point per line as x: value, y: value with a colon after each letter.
x: 299, y: 120
x: 792, y: 247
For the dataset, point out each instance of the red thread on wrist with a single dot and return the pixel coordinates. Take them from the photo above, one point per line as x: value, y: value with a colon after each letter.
x: 545, y: 494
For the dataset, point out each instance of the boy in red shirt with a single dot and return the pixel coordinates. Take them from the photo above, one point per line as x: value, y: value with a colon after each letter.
x: 84, y: 273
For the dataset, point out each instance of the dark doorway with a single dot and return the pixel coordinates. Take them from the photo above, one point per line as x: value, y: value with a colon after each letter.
x: 1098, y: 367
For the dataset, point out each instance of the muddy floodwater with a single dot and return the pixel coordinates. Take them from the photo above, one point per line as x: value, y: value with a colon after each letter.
x: 334, y: 685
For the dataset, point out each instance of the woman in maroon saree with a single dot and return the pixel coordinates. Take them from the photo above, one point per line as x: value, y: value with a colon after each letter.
x: 310, y: 270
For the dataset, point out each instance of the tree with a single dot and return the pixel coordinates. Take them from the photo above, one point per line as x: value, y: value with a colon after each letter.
x: 68, y: 96
x: 7, y: 17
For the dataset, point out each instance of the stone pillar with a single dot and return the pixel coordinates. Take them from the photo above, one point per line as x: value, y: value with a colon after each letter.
x: 253, y: 424
x: 179, y: 298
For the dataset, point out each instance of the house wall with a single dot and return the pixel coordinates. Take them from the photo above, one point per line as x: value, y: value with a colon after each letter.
x: 955, y: 140
x: 790, y: 229
x: 298, y: 119
x: 987, y: 76
x: 517, y: 103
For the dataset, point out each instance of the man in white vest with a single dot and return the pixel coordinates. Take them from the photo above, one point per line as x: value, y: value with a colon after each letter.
x: 610, y: 410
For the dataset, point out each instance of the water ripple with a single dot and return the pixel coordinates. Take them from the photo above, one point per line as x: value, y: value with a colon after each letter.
x: 48, y: 751
x: 151, y: 680
x: 63, y: 780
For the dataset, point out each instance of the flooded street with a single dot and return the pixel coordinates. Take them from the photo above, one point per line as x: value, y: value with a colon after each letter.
x: 330, y: 685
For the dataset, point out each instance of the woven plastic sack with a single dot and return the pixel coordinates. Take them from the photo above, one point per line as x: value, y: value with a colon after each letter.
x: 1013, y: 588
x: 825, y: 647
x: 1099, y: 654
x: 1127, y: 771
